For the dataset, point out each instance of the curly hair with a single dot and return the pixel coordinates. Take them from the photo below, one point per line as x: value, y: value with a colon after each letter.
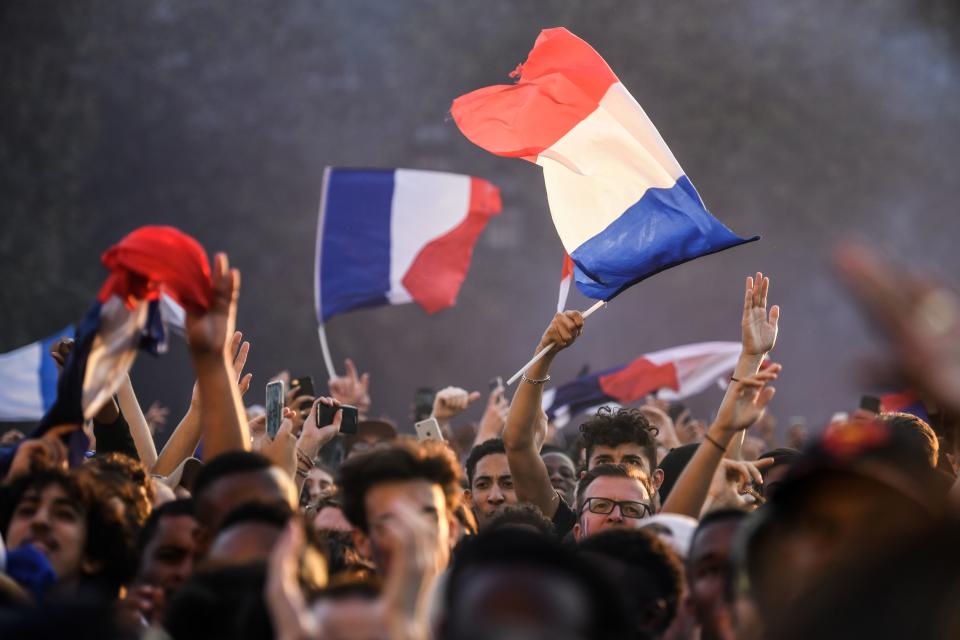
x: 108, y: 542
x: 403, y: 459
x: 126, y: 479
x: 612, y: 428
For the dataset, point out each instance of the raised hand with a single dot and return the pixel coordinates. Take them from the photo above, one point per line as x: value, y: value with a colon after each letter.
x: 920, y: 318
x: 352, y: 389
x: 494, y: 416
x: 209, y: 334
x: 282, y: 450
x: 452, y: 401
x: 758, y: 327
x: 312, y: 437
x: 241, y: 350
x: 563, y: 330
x: 746, y: 400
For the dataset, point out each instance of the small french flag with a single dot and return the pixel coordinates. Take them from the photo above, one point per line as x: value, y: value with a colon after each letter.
x: 392, y: 236
x: 566, y: 277
x: 155, y: 272
x: 673, y: 374
x: 622, y: 205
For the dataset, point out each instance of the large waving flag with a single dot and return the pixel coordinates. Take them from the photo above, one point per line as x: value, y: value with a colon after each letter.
x: 674, y: 374
x: 391, y: 236
x: 145, y: 266
x: 623, y: 207
x: 28, y: 379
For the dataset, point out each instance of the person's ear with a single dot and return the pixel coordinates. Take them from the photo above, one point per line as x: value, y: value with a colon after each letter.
x: 362, y: 542
x: 468, y: 496
x: 657, y: 479
x: 576, y: 532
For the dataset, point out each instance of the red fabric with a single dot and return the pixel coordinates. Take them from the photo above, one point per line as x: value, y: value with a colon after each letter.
x: 560, y: 84
x: 567, y: 270
x: 151, y: 260
x: 638, y: 379
x: 898, y: 401
x: 435, y: 276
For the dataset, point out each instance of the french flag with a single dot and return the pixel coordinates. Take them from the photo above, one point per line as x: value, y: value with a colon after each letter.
x: 566, y: 277
x: 392, y: 236
x: 28, y: 379
x: 904, y: 402
x: 623, y: 207
x: 673, y: 374
x: 155, y: 273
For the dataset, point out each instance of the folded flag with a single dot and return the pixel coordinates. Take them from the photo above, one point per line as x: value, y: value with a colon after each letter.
x: 566, y: 277
x: 146, y: 266
x: 391, y: 236
x: 28, y: 379
x: 623, y: 207
x: 673, y: 374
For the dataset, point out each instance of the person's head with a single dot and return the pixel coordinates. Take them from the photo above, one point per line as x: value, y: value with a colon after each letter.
x: 648, y: 573
x: 521, y: 516
x: 319, y: 483
x: 343, y: 557
x: 612, y: 496
x: 511, y: 579
x: 68, y: 519
x: 327, y: 515
x: 126, y: 482
x: 916, y: 432
x: 235, y: 478
x: 773, y: 475
x: 489, y: 479
x: 562, y: 470
x: 374, y: 482
x: 623, y: 436
x: 248, y: 533
x: 708, y: 569
x: 167, y: 546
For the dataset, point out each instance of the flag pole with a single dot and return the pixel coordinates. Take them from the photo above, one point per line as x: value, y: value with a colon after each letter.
x: 327, y: 360
x: 546, y: 349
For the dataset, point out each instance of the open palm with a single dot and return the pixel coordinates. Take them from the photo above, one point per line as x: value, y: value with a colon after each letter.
x: 746, y: 400
x: 758, y: 327
x: 211, y: 332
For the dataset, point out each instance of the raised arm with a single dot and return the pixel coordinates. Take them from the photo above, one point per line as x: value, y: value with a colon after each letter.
x: 449, y: 403
x: 186, y: 436
x: 222, y: 416
x: 743, y: 404
x: 530, y: 477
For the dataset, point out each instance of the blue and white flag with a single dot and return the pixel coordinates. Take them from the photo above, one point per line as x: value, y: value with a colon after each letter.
x: 28, y: 380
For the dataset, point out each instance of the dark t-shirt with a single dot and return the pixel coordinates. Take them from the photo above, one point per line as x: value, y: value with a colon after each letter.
x: 564, y: 518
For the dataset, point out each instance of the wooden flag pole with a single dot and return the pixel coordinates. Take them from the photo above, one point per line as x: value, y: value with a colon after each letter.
x: 546, y: 349
x: 327, y: 360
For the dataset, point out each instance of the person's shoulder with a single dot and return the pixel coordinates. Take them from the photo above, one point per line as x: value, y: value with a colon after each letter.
x: 564, y: 518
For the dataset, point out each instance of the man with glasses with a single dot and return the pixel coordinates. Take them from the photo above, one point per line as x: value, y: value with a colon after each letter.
x: 612, y: 496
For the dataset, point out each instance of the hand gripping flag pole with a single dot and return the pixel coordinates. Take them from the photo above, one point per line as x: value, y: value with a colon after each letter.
x: 535, y: 359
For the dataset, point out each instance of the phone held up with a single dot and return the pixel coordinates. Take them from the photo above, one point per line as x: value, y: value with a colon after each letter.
x: 274, y: 407
x: 348, y: 421
x: 423, y: 403
x: 303, y: 386
x: 428, y: 429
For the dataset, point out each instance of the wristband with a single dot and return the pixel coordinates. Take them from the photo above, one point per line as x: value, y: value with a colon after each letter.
x: 524, y: 377
x: 707, y: 438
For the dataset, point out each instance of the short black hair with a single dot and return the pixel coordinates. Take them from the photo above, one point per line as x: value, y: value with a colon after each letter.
x: 611, y: 471
x: 481, y: 451
x: 228, y: 464
x: 521, y: 515
x: 514, y: 547
x: 342, y: 554
x: 182, y: 507
x: 402, y: 459
x: 612, y: 428
x: 276, y: 514
x: 650, y: 560
x: 712, y: 518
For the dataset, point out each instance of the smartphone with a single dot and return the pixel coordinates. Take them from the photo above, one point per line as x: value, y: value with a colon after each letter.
x: 428, y: 429
x: 348, y: 420
x: 423, y: 403
x: 274, y: 407
x: 496, y: 383
x: 870, y: 403
x: 303, y: 387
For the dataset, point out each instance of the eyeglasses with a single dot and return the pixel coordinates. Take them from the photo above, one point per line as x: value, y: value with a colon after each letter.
x: 628, y: 509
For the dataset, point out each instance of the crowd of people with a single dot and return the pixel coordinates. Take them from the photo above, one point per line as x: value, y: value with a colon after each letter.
x: 647, y: 524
